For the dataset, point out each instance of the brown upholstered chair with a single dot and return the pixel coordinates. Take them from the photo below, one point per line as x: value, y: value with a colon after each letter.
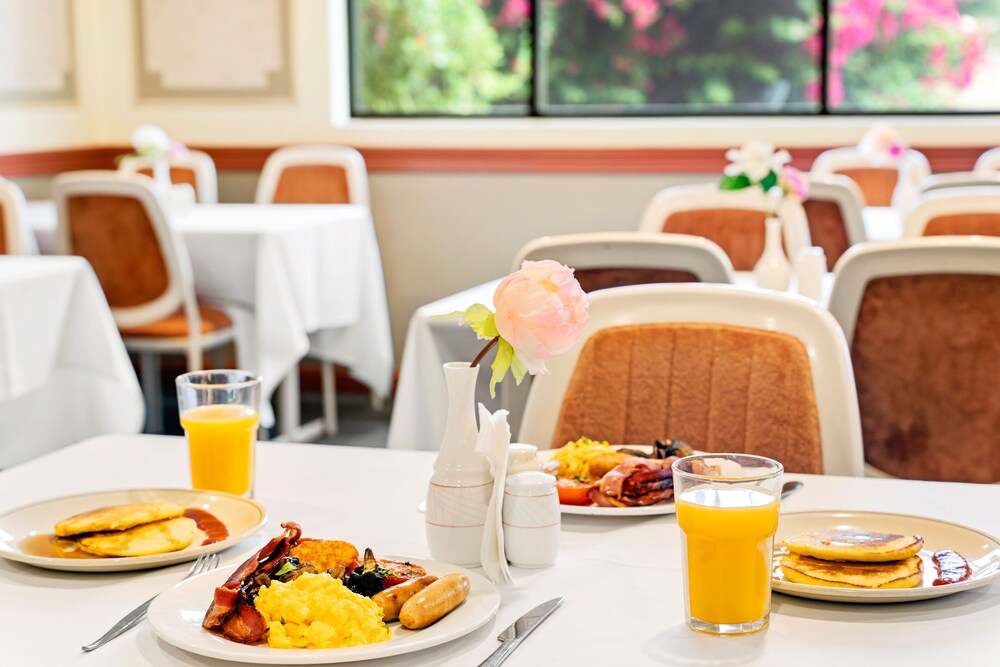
x: 922, y: 316
x: 194, y: 168
x: 724, y: 368
x: 833, y: 211
x: 732, y: 219
x: 118, y: 222
x: 317, y: 174
x: 955, y: 212
x: 883, y: 183
x: 16, y: 237
x: 614, y: 259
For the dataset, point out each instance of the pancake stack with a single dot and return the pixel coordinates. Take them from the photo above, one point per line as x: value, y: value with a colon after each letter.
x: 853, y: 559
x: 130, y: 530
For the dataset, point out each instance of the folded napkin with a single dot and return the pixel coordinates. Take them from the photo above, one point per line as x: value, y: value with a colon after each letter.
x: 493, y: 441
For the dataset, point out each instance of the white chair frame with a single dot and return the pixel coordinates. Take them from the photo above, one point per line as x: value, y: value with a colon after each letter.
x: 295, y: 156
x: 957, y: 201
x: 679, y: 198
x: 959, y: 179
x: 19, y: 239
x: 357, y: 189
x: 681, y: 252
x: 179, y: 293
x: 988, y: 161
x: 912, y: 166
x: 205, y: 176
x: 833, y: 375
x: 849, y: 199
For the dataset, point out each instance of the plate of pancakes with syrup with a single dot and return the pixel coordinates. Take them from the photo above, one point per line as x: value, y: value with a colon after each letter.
x: 131, y: 529
x: 874, y: 557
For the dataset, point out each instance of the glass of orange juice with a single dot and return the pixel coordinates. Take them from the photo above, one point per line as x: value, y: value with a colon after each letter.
x: 727, y: 509
x: 218, y: 411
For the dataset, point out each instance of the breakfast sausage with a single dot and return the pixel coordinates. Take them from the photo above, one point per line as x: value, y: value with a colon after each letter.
x: 434, y: 601
x: 392, y: 599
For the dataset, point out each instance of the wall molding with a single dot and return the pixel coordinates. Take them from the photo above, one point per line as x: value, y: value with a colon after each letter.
x: 466, y: 160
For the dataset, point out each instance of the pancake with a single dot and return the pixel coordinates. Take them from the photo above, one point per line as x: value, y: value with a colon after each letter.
x: 854, y: 545
x: 145, y: 540
x: 118, y: 517
x: 805, y: 570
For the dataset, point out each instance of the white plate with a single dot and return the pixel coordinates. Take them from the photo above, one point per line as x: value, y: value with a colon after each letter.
x: 176, y: 616
x: 242, y: 518
x: 980, y: 549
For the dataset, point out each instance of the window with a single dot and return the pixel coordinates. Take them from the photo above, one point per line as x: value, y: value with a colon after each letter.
x: 673, y: 57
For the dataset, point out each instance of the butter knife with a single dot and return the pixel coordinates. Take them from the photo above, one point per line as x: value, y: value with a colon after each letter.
x: 519, y: 630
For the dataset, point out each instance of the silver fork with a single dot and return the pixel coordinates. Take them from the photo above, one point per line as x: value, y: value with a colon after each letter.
x: 205, y: 563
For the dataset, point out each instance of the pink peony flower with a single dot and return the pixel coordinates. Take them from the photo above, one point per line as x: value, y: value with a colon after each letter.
x: 794, y: 183
x: 540, y: 311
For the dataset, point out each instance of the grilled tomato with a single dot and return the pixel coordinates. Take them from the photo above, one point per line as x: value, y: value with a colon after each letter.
x: 573, y: 491
x: 397, y: 571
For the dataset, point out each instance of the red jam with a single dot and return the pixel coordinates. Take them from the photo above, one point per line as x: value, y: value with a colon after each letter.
x: 208, y: 523
x: 951, y: 567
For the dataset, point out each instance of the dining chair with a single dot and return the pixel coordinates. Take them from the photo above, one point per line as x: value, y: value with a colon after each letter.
x: 833, y: 212
x: 16, y: 237
x: 922, y: 317
x: 959, y: 179
x: 614, y: 259
x: 194, y: 168
x: 955, y: 212
x: 723, y: 368
x: 317, y: 174
x: 118, y: 222
x: 988, y: 161
x: 732, y: 219
x: 888, y: 182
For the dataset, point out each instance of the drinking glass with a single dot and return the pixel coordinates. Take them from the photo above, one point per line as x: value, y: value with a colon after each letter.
x: 218, y: 411
x: 727, y: 509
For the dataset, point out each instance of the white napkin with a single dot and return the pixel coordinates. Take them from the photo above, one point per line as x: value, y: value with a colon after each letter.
x: 493, y: 441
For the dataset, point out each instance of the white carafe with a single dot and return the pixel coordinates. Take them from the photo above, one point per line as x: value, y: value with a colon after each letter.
x: 461, y: 486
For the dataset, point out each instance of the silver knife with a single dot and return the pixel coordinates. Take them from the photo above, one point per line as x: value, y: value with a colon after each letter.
x: 519, y: 630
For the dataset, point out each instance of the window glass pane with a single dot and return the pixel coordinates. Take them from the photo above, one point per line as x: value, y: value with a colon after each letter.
x: 914, y: 55
x: 441, y: 57
x: 678, y: 56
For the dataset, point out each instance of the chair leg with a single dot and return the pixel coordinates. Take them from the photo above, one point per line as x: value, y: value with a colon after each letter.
x: 329, y: 380
x: 149, y: 364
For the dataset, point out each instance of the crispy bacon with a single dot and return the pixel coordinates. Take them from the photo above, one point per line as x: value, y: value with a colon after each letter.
x: 636, y: 481
x: 230, y: 612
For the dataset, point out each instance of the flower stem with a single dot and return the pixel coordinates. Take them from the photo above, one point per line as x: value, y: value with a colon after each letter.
x: 482, y: 352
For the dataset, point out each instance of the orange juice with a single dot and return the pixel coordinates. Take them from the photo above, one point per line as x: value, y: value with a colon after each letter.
x: 728, y: 535
x: 221, y: 440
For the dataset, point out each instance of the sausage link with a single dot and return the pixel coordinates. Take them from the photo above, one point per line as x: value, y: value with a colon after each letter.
x: 392, y: 599
x: 435, y: 601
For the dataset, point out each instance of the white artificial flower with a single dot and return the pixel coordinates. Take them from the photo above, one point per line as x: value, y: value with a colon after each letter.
x: 756, y: 159
x: 150, y: 140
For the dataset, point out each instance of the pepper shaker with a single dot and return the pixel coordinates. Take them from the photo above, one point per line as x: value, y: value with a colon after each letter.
x: 531, y: 520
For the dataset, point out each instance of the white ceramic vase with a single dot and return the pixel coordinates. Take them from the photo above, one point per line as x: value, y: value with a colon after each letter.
x: 461, y: 486
x: 772, y: 270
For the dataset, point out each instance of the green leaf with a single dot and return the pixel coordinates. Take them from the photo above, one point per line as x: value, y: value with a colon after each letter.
x: 737, y: 182
x: 478, y: 316
x: 285, y: 569
x: 502, y: 362
x: 518, y: 368
x: 769, y: 181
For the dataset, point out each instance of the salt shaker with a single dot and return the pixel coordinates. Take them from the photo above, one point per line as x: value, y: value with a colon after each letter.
x: 522, y: 458
x: 810, y: 267
x: 531, y: 519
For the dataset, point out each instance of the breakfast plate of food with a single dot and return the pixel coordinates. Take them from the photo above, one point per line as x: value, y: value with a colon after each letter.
x: 305, y: 601
x: 598, y: 479
x: 874, y: 557
x: 135, y: 529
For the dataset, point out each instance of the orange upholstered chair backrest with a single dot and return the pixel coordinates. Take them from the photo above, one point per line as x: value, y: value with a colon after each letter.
x: 739, y: 232
x: 876, y: 183
x: 114, y: 233
x: 595, y: 278
x: 827, y: 228
x: 963, y: 224
x: 719, y: 387
x: 178, y: 175
x: 312, y: 184
x: 926, y: 355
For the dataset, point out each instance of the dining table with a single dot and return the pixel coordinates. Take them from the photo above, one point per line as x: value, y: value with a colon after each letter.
x: 620, y: 576
x: 64, y: 371
x: 298, y: 280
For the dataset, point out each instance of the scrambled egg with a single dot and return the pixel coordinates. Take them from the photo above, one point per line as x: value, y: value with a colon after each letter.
x: 318, y: 611
x: 574, y: 457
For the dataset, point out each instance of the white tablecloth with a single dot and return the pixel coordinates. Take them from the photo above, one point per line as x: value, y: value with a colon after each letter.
x: 621, y: 577
x: 311, y: 276
x: 882, y: 223
x: 64, y: 373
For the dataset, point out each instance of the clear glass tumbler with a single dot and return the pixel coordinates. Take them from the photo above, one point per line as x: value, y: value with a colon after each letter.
x: 219, y: 413
x: 727, y: 510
